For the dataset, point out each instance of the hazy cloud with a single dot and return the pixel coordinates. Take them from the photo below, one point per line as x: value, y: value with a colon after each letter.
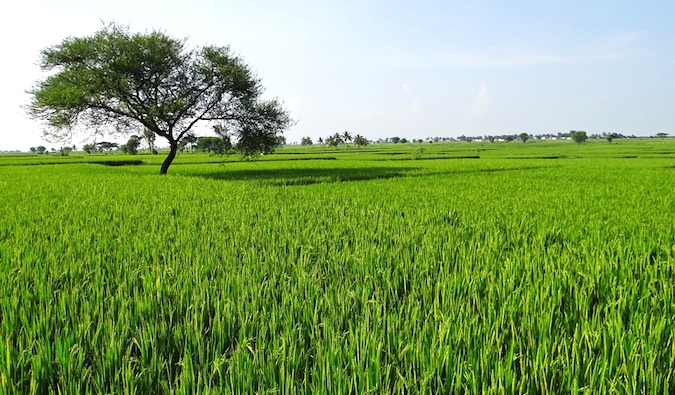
x: 407, y: 89
x: 416, y: 105
x: 480, y: 103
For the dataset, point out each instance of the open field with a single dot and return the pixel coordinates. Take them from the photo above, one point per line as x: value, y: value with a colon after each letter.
x: 544, y: 267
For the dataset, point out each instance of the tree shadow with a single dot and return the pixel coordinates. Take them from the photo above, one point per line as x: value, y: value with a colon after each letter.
x: 307, y: 176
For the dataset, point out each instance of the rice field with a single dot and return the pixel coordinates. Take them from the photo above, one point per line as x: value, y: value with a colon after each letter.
x: 496, y: 268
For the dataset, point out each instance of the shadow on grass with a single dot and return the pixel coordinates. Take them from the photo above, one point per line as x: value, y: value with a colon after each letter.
x: 308, y: 176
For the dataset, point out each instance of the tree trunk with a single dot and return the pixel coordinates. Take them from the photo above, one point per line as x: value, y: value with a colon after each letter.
x: 169, y: 159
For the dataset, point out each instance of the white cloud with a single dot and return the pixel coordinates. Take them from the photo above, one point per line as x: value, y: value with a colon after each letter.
x: 293, y: 106
x: 480, y: 103
x: 407, y: 89
x: 416, y: 105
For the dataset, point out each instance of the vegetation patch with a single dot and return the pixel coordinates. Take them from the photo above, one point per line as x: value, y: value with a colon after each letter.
x: 114, y: 162
x: 455, y: 276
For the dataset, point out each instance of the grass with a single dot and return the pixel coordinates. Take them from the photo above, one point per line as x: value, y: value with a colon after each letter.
x: 368, y: 273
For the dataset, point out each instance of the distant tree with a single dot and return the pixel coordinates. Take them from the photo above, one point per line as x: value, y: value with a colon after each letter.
x: 306, y: 141
x: 403, y: 141
x: 280, y: 140
x: 131, y: 146
x: 64, y: 151
x: 149, y: 137
x: 334, y: 140
x: 662, y: 135
x: 89, y: 148
x: 214, y: 144
x: 320, y: 141
x: 117, y: 81
x: 395, y: 139
x: 611, y: 136
x: 491, y: 139
x: 578, y: 136
x: 33, y: 149
x: 346, y: 137
x: 106, y: 146
x: 360, y: 140
x: 189, y: 141
x: 41, y: 149
x: 53, y: 149
x: 524, y: 137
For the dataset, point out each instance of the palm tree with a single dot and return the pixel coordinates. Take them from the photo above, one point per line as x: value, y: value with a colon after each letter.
x: 360, y: 140
x: 346, y: 137
x: 334, y: 140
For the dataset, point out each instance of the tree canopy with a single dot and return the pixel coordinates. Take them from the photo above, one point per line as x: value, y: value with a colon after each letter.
x: 579, y: 136
x: 117, y: 82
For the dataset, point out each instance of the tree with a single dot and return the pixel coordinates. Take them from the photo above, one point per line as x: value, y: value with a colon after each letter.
x: 524, y: 137
x: 360, y: 140
x: 578, y: 136
x: 131, y: 146
x: 33, y: 149
x: 611, y: 136
x: 106, y: 146
x: 346, y: 137
x: 115, y: 81
x: 395, y: 139
x: 64, y: 151
x: 89, y: 148
x: 149, y: 137
x: 320, y: 140
x: 189, y: 141
x: 662, y: 135
x: 214, y: 144
x: 306, y: 141
x: 334, y: 140
x: 41, y: 149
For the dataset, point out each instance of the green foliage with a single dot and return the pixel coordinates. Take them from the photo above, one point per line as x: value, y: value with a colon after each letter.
x: 306, y: 141
x: 131, y: 146
x: 366, y: 273
x: 65, y: 151
x: 41, y: 149
x: 116, y: 81
x: 214, y: 144
x: 418, y: 153
x: 189, y: 141
x: 360, y: 140
x: 334, y: 140
x: 524, y: 137
x: 578, y: 136
x: 149, y: 137
x: 106, y: 146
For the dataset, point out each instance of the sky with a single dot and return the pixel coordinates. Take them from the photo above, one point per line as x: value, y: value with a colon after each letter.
x: 395, y: 68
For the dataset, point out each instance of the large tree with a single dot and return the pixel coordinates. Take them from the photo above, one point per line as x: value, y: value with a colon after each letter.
x: 579, y: 136
x: 117, y: 82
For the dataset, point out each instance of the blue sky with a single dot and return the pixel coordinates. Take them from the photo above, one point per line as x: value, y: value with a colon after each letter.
x: 408, y: 69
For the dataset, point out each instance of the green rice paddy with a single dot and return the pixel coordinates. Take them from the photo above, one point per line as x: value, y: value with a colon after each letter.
x: 546, y: 267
